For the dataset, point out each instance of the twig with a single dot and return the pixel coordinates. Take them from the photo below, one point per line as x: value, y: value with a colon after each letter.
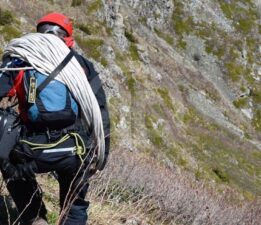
x: 7, y: 211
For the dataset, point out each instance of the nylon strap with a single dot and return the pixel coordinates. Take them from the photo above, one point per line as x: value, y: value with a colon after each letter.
x: 56, y: 71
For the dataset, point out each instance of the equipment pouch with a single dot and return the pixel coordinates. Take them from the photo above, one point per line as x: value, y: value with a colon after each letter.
x: 9, y: 131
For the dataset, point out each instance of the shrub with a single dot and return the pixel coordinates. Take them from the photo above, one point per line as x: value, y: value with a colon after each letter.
x: 6, y: 17
x: 76, y: 3
x: 240, y: 103
x: 94, y: 6
x: 130, y: 37
x: 85, y: 28
x: 91, y: 46
x: 10, y: 32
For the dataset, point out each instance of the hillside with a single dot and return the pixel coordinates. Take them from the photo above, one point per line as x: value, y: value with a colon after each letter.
x: 183, y: 85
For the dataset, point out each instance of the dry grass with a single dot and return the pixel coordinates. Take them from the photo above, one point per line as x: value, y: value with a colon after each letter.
x: 136, y: 190
x: 166, y: 197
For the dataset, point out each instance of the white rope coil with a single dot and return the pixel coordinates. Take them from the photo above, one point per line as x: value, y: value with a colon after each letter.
x: 44, y: 52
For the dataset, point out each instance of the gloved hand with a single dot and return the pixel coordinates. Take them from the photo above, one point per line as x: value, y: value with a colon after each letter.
x: 18, y: 172
x: 27, y: 170
x: 9, y: 170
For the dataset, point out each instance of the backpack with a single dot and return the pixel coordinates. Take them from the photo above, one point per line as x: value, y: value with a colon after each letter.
x: 44, y: 100
x: 53, y: 106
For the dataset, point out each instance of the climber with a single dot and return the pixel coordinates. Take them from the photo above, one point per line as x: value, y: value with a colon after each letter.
x: 52, y: 139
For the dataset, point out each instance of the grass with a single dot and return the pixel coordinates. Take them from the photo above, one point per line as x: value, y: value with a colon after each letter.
x: 76, y: 3
x: 10, y: 32
x: 256, y: 96
x: 93, y: 6
x: 91, y: 47
x: 155, y: 134
x: 167, y: 37
x: 225, y: 162
x: 164, y: 94
x: 181, y: 23
x: 256, y: 121
x: 244, y: 18
x: 85, y: 28
x: 130, y: 36
x: 240, y: 103
x: 234, y: 70
x: 211, y: 47
x: 133, y: 52
x: 6, y: 17
x: 222, y: 175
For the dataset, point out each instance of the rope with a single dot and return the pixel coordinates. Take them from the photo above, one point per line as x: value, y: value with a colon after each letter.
x: 80, y: 149
x: 16, y: 68
x: 45, y: 52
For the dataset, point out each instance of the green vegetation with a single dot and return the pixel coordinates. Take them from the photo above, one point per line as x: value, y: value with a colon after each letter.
x: 6, y: 17
x: 143, y: 20
x: 76, y: 3
x: 131, y: 82
x: 154, y: 134
x: 94, y: 6
x: 213, y: 48
x: 244, y: 18
x: 174, y: 153
x: 164, y: 94
x: 222, y: 176
x: 130, y: 36
x: 257, y: 120
x: 85, y: 28
x: 256, y: 96
x: 131, y: 85
x: 168, y: 38
x: 92, y: 48
x: 52, y: 217
x: 10, y: 32
x: 181, y: 24
x: 234, y: 70
x: 189, y: 116
x: 181, y: 44
x: 133, y: 52
x: 222, y: 161
x: 240, y: 103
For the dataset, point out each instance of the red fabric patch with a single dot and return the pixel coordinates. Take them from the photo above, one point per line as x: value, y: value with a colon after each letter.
x: 18, y: 90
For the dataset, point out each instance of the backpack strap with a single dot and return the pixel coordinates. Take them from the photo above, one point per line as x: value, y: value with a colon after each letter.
x: 56, y: 71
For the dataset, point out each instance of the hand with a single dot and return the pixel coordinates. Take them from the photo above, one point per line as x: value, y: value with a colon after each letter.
x: 10, y: 171
x: 27, y: 170
x: 20, y: 171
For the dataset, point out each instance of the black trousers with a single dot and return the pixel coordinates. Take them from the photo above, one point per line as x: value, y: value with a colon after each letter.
x: 73, y: 184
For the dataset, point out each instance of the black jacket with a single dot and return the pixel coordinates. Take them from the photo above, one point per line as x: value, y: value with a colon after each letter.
x: 7, y: 80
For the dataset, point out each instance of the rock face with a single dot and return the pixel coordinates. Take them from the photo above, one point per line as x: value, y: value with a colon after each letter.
x: 195, y: 59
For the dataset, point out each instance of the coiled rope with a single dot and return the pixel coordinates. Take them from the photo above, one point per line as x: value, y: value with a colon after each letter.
x: 44, y: 52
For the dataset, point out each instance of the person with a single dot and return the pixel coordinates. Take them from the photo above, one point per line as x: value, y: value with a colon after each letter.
x: 18, y: 171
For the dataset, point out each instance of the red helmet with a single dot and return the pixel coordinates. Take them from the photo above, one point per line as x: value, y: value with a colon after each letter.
x: 58, y: 19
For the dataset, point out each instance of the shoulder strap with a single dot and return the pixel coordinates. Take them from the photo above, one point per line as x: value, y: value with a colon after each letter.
x: 56, y: 71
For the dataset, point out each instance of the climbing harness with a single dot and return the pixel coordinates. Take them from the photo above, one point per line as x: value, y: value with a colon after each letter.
x: 45, y: 52
x: 78, y: 149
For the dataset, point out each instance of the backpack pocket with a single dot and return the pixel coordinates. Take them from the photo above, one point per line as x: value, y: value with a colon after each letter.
x: 53, y: 106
